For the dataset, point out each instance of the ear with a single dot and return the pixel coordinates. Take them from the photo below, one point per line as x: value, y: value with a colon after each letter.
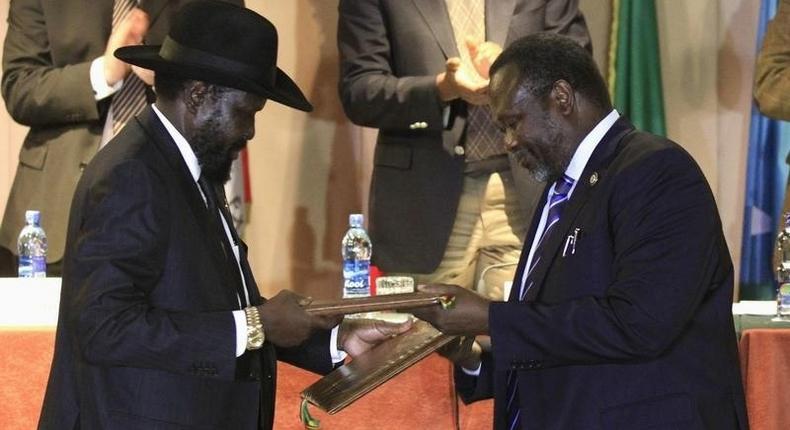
x: 563, y: 96
x: 195, y: 94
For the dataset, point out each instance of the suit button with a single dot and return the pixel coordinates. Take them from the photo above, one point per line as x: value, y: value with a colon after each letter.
x: 423, y: 125
x: 414, y: 125
x: 459, y: 150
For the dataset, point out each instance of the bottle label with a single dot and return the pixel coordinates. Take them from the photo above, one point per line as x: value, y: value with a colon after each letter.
x: 32, y: 267
x: 783, y: 299
x: 356, y: 275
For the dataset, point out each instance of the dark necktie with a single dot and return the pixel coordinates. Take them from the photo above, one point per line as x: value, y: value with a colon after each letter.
x: 556, y: 203
x: 209, y: 191
x: 483, y: 138
x: 130, y: 99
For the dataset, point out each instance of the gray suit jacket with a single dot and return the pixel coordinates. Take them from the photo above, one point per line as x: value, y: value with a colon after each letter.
x: 47, y: 54
x: 391, y: 52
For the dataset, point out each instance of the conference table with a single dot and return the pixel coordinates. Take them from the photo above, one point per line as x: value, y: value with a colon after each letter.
x: 419, y: 398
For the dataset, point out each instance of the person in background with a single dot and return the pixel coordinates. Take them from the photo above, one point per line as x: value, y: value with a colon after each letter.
x: 61, y: 80
x: 772, y: 74
x: 620, y: 313
x: 161, y: 324
x: 447, y: 203
x: 772, y: 78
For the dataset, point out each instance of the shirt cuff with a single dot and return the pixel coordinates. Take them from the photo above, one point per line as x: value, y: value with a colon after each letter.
x: 241, y: 332
x: 474, y: 372
x: 335, y: 354
x: 100, y: 87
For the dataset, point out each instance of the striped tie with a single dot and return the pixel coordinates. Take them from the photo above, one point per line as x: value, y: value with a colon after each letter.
x: 556, y: 203
x: 130, y: 99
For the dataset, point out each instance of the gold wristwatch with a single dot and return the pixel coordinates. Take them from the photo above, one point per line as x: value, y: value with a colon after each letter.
x: 255, y: 335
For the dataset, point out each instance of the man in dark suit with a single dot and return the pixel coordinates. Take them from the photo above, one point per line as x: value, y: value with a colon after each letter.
x: 161, y: 324
x: 620, y: 312
x: 60, y: 78
x: 445, y: 200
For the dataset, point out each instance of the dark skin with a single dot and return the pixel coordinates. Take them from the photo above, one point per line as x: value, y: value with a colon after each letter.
x: 224, y: 118
x: 543, y: 134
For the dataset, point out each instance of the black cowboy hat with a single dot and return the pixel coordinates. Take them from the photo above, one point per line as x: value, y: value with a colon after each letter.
x: 223, y: 44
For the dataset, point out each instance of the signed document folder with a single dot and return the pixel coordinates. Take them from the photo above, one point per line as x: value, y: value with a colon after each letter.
x: 375, y: 303
x: 351, y: 381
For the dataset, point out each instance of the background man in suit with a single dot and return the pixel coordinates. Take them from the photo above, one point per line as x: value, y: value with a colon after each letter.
x: 445, y: 199
x: 61, y: 80
x: 620, y: 313
x: 161, y: 324
x: 772, y: 79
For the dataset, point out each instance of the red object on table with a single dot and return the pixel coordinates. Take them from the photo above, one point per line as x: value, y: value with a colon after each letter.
x: 375, y: 273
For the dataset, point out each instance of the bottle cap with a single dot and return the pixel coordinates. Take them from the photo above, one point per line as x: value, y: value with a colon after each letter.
x: 355, y: 220
x: 32, y: 216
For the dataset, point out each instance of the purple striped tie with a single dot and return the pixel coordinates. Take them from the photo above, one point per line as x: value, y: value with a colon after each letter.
x: 556, y: 203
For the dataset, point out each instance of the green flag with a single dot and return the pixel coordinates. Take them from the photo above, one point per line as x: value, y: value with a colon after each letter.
x: 635, y: 64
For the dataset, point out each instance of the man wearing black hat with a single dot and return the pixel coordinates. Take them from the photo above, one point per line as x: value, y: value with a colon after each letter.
x: 161, y: 324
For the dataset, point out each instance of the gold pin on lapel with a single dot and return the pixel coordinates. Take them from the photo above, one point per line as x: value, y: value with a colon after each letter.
x: 593, y: 178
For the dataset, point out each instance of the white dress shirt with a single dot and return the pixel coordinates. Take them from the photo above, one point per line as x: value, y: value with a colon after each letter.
x: 574, y: 171
x: 238, y: 315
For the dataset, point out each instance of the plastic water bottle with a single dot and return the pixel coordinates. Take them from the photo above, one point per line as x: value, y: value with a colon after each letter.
x: 356, y: 252
x: 32, y: 247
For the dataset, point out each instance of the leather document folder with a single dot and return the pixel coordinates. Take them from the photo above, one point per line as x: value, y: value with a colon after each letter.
x: 376, y: 303
x: 353, y: 380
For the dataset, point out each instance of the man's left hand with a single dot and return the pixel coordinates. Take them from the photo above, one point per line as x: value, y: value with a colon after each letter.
x: 468, y: 315
x: 357, y: 336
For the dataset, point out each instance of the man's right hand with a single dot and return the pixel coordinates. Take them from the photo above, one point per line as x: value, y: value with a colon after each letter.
x: 285, y: 322
x: 457, y: 82
x: 130, y: 31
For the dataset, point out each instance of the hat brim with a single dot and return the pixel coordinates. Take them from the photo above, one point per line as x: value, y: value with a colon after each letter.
x: 284, y: 90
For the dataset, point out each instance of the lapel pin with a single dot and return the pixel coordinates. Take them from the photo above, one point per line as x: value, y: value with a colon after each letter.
x: 594, y: 178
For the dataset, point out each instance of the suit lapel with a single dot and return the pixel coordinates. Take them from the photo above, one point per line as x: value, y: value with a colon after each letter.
x: 159, y: 136
x: 599, y: 161
x: 434, y: 12
x: 498, y: 16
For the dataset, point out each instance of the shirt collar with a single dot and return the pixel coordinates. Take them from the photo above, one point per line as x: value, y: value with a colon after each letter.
x: 588, y: 144
x: 183, y: 146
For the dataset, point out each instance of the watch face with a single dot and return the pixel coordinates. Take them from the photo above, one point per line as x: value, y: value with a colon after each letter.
x: 255, y: 337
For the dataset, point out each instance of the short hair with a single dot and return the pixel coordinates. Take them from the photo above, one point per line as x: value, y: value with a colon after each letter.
x: 544, y: 58
x: 168, y: 86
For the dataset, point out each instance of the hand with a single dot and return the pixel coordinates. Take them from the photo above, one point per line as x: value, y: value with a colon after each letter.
x: 468, y: 316
x: 464, y: 351
x: 483, y: 55
x: 130, y: 31
x: 457, y: 82
x: 359, y: 335
x: 145, y: 75
x: 285, y: 321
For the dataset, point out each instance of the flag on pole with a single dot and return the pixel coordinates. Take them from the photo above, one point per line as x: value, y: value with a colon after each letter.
x: 237, y: 191
x: 634, y: 73
x: 766, y: 179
